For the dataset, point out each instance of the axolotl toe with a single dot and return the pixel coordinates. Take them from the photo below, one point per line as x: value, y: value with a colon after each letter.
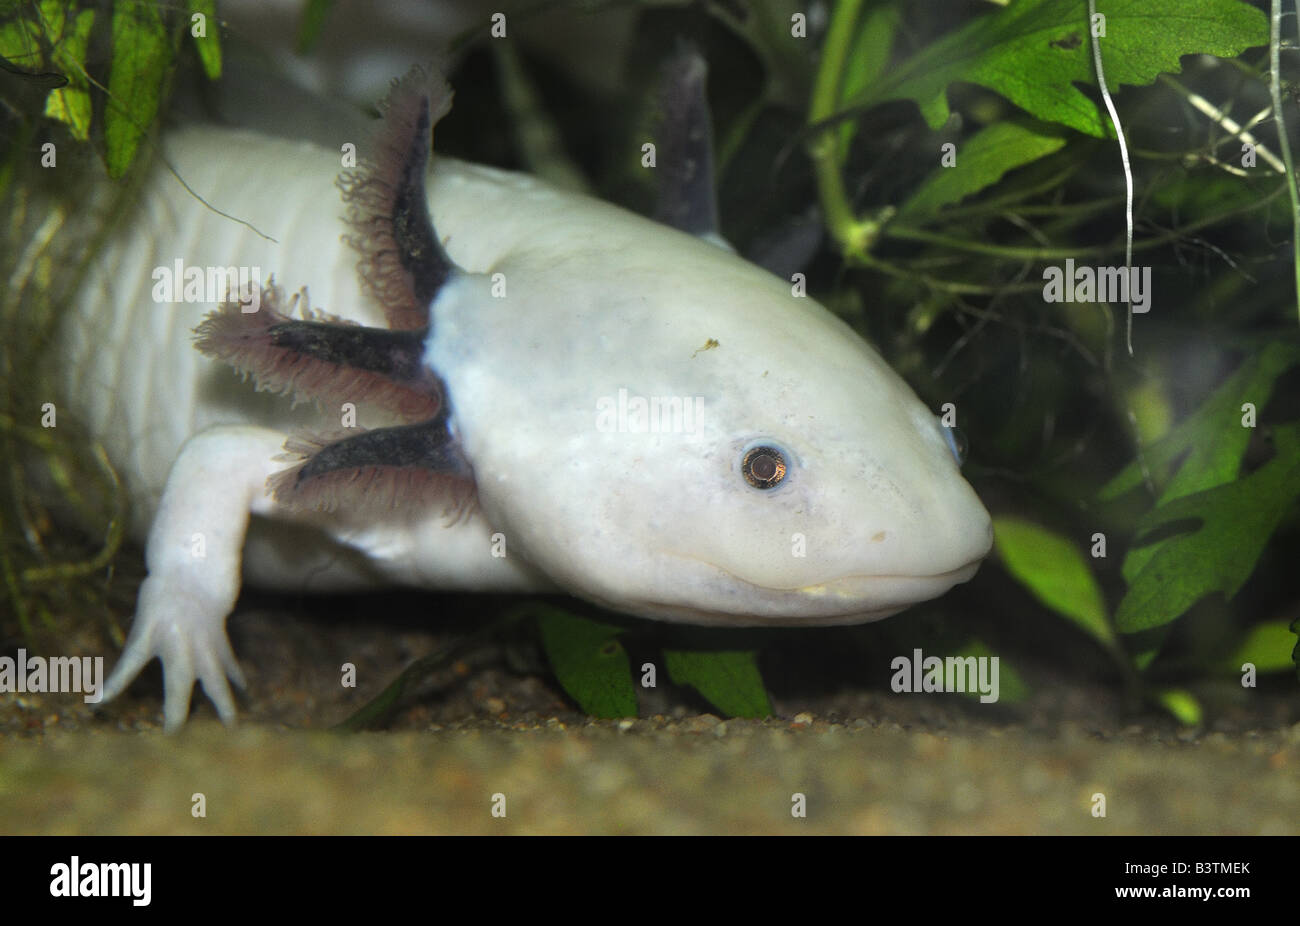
x: 522, y: 389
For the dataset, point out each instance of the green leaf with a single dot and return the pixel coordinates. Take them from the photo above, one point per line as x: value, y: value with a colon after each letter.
x: 1055, y: 572
x: 208, y: 44
x: 22, y: 31
x: 141, y: 56
x: 1213, y: 433
x: 1267, y: 646
x: 1034, y: 51
x: 29, y: 34
x: 314, y: 15
x: 1238, y: 519
x: 1182, y: 704
x: 589, y: 662
x: 376, y: 711
x: 1151, y: 411
x: 982, y: 160
x: 867, y: 60
x: 1012, y: 687
x: 1201, y: 194
x: 871, y: 49
x: 17, y: 48
x: 728, y: 679
x: 70, y: 104
x: 1213, y: 439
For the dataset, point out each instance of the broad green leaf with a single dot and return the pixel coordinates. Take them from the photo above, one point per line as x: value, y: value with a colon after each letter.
x: 867, y: 60
x: 1182, y: 704
x: 68, y: 41
x: 1034, y: 51
x: 1237, y: 521
x: 1213, y: 439
x: 871, y: 49
x: 982, y: 160
x: 1267, y: 646
x: 1213, y: 433
x: 728, y: 679
x: 589, y: 662
x: 208, y: 44
x: 1056, y: 572
x: 141, y: 56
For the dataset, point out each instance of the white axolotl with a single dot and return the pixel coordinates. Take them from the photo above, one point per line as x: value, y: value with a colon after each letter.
x: 507, y: 367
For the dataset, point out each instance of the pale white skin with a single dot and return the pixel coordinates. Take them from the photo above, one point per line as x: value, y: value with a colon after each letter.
x: 873, y: 514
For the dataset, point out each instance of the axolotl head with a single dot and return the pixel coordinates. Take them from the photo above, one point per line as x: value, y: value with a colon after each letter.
x: 712, y: 447
x: 656, y: 424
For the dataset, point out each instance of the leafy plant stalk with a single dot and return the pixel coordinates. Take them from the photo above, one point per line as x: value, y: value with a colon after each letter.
x: 848, y: 232
x: 1226, y: 122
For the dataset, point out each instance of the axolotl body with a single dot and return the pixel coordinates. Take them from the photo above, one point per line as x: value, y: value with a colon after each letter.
x: 503, y: 342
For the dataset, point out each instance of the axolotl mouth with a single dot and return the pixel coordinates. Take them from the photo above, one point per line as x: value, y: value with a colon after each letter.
x: 838, y: 601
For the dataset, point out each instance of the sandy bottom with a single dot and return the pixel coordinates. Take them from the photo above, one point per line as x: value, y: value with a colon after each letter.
x: 496, y: 748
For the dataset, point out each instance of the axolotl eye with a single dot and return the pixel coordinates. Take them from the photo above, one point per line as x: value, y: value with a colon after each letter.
x: 763, y: 467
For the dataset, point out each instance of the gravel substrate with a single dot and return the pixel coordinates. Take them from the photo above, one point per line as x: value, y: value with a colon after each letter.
x: 864, y: 759
x: 659, y: 775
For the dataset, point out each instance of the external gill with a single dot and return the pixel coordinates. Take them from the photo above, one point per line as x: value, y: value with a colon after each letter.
x: 403, y: 266
x: 320, y: 357
x: 402, y: 262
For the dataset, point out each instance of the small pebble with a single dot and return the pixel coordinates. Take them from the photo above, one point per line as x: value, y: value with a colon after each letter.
x: 701, y: 723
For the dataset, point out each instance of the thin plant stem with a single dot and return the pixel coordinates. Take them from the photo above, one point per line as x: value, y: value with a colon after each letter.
x: 1284, y: 142
x: 1224, y: 121
x: 1123, y: 154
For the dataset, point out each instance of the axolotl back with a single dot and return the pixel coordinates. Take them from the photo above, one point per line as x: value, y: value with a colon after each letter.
x: 529, y: 389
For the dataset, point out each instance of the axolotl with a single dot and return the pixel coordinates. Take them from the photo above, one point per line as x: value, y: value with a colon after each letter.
x: 493, y: 356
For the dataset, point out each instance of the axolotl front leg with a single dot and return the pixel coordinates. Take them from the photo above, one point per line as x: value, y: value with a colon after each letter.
x: 225, y: 475
x: 193, y: 555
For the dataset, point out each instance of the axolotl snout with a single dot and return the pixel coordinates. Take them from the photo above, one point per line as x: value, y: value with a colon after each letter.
x: 553, y: 393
